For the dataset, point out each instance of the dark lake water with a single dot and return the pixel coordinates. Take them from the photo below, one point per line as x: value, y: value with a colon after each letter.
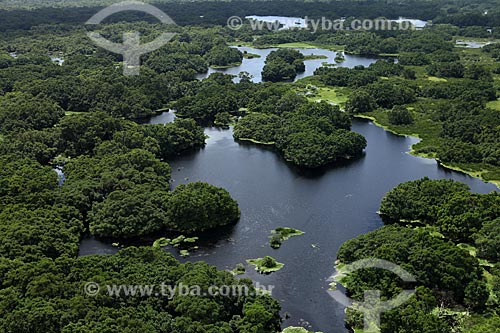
x: 331, y: 206
x: 254, y: 66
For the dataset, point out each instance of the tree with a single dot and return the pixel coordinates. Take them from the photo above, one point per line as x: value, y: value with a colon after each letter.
x: 476, y: 295
x: 435, y: 263
x: 488, y: 241
x: 351, y: 77
x: 283, y: 65
x: 313, y: 149
x: 30, y: 234
x: 80, y: 134
x: 360, y: 102
x: 47, y: 296
x: 217, y: 94
x: 25, y: 181
x: 40, y: 146
x: 5, y: 61
x: 90, y: 180
x: 176, y: 138
x: 478, y: 72
x: 223, y: 119
x: 482, y: 323
x: 409, y: 74
x: 20, y: 111
x: 224, y: 56
x: 259, y: 127
x: 289, y: 55
x: 414, y: 59
x: 463, y: 214
x: 446, y: 69
x: 415, y: 316
x: 133, y: 213
x: 446, y: 205
x: 399, y: 115
x: 312, y: 135
x: 278, y: 70
x: 386, y: 68
x: 388, y: 94
x: 268, y: 262
x: 418, y: 199
x: 200, y: 206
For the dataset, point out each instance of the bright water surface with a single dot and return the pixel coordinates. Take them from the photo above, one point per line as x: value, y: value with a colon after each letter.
x: 254, y: 66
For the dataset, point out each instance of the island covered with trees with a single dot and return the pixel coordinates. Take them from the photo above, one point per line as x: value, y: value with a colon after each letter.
x: 283, y: 65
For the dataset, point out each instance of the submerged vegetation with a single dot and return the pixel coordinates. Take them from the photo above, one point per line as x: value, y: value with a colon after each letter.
x: 184, y: 243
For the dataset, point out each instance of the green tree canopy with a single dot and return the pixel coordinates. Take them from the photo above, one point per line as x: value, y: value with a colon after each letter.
x: 360, y: 102
x: 399, y: 115
x: 200, y: 206
x: 48, y: 296
x: 132, y: 213
x: 21, y: 111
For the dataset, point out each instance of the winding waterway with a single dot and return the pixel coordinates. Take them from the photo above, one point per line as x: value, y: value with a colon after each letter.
x: 254, y: 66
x: 331, y: 205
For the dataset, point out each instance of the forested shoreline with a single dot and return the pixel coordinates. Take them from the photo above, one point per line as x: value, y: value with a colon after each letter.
x: 447, y: 238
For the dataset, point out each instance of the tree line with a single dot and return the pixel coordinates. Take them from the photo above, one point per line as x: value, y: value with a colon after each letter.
x: 428, y: 223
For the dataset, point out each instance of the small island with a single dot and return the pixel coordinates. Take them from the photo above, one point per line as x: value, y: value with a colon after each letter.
x: 293, y: 329
x: 238, y: 270
x: 279, y: 235
x: 224, y: 57
x: 189, y: 208
x: 315, y: 57
x: 266, y: 265
x: 339, y: 57
x: 308, y: 134
x: 248, y: 55
x: 283, y: 65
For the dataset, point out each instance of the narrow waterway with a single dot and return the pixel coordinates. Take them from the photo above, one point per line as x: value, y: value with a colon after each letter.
x: 254, y: 66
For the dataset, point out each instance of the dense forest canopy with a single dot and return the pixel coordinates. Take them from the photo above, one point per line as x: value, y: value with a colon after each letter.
x: 15, y: 14
x: 65, y: 104
x: 429, y: 224
x: 46, y: 296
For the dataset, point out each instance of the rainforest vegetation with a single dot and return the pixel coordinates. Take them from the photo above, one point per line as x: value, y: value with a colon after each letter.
x: 65, y: 104
x: 447, y: 238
